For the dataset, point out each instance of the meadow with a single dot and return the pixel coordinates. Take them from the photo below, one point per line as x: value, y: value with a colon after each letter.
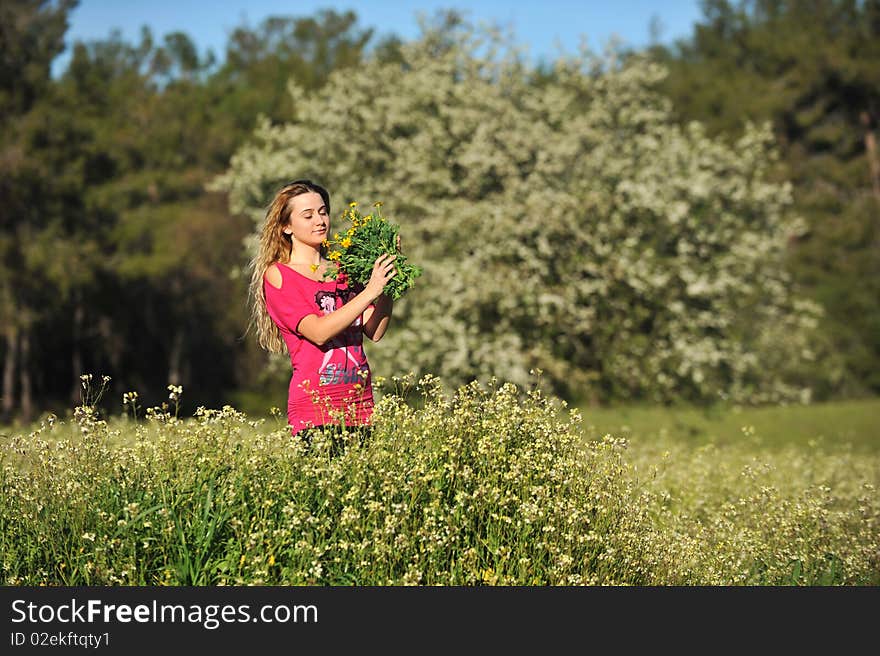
x: 487, y: 485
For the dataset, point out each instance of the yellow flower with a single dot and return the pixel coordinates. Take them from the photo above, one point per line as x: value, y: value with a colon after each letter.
x: 241, y: 562
x: 378, y: 203
x: 334, y: 255
x: 350, y: 232
x: 336, y: 237
x: 271, y: 560
x: 352, y: 204
x: 313, y: 267
x: 325, y: 243
x: 346, y: 242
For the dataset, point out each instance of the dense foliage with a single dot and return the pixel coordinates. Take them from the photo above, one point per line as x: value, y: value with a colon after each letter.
x: 811, y: 69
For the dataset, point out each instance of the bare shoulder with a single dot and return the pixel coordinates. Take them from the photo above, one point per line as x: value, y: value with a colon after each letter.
x: 273, y: 276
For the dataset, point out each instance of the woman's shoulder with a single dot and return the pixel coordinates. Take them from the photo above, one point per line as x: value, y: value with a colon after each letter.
x: 279, y: 274
x: 273, y: 275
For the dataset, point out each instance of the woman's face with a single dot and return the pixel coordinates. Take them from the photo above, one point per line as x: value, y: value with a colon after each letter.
x: 309, y: 219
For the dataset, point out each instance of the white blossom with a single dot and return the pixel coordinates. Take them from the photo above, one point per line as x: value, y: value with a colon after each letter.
x: 571, y: 225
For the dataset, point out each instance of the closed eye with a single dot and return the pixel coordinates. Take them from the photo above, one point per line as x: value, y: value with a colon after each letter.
x: 307, y: 214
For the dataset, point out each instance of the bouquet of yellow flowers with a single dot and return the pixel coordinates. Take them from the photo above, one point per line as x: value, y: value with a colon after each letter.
x: 355, y: 251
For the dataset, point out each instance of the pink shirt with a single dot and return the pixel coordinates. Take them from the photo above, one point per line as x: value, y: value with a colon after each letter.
x: 334, y: 377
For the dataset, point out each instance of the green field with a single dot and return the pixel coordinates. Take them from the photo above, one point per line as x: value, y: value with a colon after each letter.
x: 488, y: 486
x: 837, y: 424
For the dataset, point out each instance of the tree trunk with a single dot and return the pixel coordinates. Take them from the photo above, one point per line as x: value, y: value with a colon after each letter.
x: 27, y: 399
x: 113, y: 346
x: 176, y: 357
x: 76, y: 360
x: 10, y: 364
x: 871, y: 150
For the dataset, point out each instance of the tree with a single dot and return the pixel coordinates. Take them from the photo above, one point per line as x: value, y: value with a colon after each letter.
x: 810, y: 68
x: 31, y: 34
x: 259, y: 62
x: 570, y: 225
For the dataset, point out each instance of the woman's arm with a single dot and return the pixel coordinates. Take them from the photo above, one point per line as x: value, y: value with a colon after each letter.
x: 321, y: 330
x: 376, y: 318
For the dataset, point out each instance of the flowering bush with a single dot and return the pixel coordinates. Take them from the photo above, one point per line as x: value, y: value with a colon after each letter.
x: 356, y: 250
x: 573, y: 226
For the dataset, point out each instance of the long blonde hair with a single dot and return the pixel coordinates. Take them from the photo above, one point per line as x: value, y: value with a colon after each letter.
x: 274, y: 246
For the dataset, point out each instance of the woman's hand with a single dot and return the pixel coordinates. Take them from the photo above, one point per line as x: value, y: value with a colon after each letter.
x: 383, y: 271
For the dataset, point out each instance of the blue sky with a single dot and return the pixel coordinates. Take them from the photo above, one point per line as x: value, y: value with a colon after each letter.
x: 543, y: 25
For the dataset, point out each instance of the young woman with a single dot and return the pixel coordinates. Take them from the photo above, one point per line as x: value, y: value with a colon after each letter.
x: 321, y: 323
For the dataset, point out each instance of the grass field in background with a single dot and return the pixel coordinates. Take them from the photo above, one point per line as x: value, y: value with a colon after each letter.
x: 838, y: 423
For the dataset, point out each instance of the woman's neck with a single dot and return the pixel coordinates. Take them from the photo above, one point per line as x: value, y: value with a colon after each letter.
x: 304, y: 254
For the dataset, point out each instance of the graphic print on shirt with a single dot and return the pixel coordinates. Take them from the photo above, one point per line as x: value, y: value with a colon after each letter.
x: 343, y: 359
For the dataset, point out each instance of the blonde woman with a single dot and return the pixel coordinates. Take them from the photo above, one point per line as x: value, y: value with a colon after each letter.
x: 320, y: 323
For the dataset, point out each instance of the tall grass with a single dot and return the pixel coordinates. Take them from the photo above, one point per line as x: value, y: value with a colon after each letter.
x: 489, y: 485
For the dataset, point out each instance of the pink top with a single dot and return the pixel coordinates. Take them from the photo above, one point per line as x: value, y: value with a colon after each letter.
x: 333, y: 378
